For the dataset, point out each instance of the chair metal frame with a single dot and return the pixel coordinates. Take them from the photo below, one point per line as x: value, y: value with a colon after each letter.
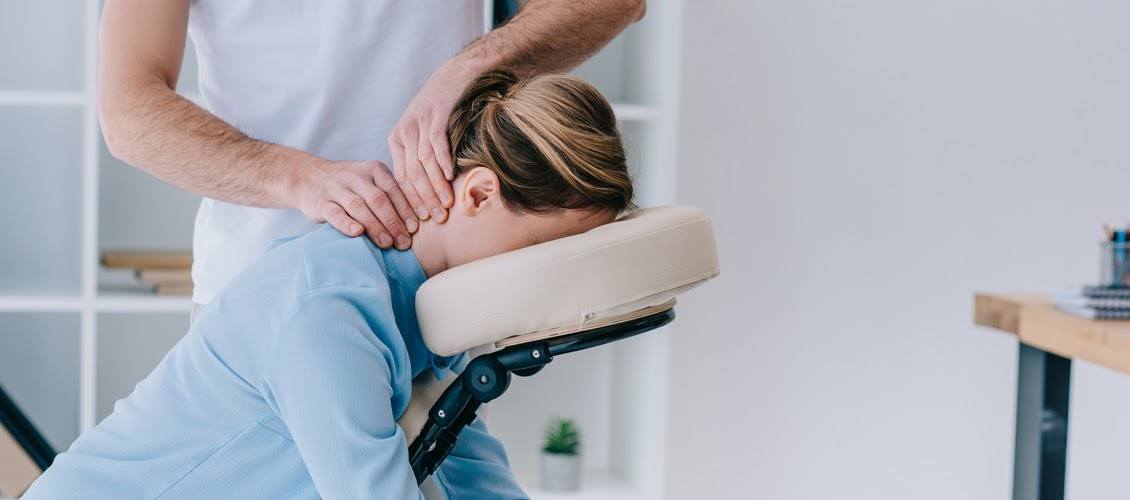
x: 488, y: 376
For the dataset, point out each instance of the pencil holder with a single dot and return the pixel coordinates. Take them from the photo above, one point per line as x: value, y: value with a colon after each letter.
x: 1115, y: 264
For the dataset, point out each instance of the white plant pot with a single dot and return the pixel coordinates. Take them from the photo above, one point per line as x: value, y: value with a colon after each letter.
x: 560, y: 472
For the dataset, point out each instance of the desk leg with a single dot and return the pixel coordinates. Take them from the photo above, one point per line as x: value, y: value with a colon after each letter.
x: 1043, y: 388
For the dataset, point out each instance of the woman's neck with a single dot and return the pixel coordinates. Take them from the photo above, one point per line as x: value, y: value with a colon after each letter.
x: 428, y: 247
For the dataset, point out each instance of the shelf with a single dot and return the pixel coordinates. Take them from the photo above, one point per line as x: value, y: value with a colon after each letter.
x: 116, y: 302
x: 23, y: 98
x: 595, y: 485
x: 45, y: 303
x: 44, y: 42
x: 127, y: 302
x: 41, y: 207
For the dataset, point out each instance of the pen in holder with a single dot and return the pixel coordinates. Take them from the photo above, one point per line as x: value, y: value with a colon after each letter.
x: 1115, y: 268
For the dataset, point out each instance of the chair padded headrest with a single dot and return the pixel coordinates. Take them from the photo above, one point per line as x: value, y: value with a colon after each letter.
x: 571, y: 284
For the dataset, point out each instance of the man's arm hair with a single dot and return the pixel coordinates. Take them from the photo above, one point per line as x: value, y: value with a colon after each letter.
x: 147, y: 125
x: 549, y: 36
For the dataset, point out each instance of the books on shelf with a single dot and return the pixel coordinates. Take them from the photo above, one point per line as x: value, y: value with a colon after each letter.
x: 157, y: 275
x: 173, y: 289
x: 164, y: 272
x: 1094, y: 302
x: 138, y: 259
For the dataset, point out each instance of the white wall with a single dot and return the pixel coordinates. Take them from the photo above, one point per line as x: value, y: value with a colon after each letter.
x: 868, y: 166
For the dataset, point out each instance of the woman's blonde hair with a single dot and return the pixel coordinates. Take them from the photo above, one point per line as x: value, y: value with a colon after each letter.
x: 552, y: 140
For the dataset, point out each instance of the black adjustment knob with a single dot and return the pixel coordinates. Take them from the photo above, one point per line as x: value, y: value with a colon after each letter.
x: 485, y: 378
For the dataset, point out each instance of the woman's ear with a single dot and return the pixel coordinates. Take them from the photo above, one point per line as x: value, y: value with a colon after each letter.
x: 479, y: 191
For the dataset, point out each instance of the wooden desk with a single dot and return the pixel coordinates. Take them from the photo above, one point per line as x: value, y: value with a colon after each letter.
x: 1049, y: 341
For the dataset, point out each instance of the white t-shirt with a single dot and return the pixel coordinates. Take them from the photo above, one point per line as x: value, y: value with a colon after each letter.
x: 330, y: 77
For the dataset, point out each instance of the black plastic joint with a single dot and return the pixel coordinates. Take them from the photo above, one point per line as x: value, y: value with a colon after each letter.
x: 449, y: 406
x: 485, y: 378
x: 525, y: 356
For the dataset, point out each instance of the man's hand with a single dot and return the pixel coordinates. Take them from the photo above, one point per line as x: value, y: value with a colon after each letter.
x: 357, y: 197
x: 421, y: 154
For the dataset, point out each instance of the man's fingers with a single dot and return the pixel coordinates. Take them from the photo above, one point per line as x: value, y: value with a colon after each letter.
x: 381, y: 206
x: 438, y: 138
x: 420, y: 180
x: 439, y: 182
x: 424, y: 189
x: 385, y: 181
x: 333, y: 214
x: 404, y: 176
x: 400, y: 170
x: 358, y: 209
x: 403, y: 208
x: 413, y: 197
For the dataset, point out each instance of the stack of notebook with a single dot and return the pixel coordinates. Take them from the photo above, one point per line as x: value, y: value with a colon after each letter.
x: 1095, y: 302
x: 165, y: 272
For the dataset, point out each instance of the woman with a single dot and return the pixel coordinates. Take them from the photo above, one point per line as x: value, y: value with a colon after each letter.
x: 290, y: 382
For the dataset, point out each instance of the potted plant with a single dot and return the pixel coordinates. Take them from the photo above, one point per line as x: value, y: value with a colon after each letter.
x: 560, y: 458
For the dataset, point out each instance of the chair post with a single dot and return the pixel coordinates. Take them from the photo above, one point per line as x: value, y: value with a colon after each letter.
x: 484, y: 379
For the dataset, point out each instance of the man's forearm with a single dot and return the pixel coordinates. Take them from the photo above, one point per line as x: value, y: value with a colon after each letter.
x: 552, y: 35
x: 149, y: 126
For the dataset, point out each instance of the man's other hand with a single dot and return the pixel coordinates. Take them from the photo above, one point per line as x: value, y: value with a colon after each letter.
x: 357, y: 197
x: 421, y: 154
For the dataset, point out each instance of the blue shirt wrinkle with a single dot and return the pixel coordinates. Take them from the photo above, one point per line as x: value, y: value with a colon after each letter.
x: 287, y: 386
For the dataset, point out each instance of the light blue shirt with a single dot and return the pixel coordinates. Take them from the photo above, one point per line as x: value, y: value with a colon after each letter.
x: 288, y: 385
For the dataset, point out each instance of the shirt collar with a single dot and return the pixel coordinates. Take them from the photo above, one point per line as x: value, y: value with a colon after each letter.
x: 405, y: 276
x: 404, y: 271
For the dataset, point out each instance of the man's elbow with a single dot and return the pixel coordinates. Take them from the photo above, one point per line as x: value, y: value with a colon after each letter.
x: 117, y: 119
x: 117, y: 147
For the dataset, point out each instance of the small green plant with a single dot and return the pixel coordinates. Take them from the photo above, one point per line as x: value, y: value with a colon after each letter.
x: 562, y: 437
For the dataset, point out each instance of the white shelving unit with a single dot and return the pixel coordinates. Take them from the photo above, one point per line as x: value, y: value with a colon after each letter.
x: 73, y: 339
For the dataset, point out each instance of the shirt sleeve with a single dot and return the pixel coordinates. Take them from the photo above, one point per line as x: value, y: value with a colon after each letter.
x: 477, y: 468
x: 336, y: 372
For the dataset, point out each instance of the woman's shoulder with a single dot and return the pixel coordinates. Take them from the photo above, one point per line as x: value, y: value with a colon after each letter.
x: 332, y: 259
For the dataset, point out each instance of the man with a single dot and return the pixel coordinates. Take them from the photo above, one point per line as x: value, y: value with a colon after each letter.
x: 303, y: 100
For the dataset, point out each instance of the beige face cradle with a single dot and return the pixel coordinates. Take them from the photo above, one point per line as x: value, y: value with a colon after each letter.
x: 568, y: 285
x: 617, y: 280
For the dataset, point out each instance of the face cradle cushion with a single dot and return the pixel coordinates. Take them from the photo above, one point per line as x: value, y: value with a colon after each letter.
x: 611, y: 274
